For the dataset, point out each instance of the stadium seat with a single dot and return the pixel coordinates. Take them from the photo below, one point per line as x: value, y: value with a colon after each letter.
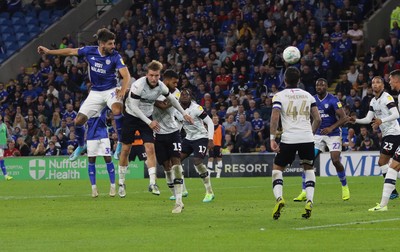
x: 44, y: 17
x: 19, y: 28
x: 5, y: 15
x: 18, y: 14
x: 5, y: 29
x: 29, y: 20
x: 18, y: 20
x: 226, y: 93
x: 5, y: 22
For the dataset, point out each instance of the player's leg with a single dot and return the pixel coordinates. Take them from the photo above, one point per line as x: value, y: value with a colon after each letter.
x: 92, y: 176
x: 116, y: 107
x: 162, y: 150
x: 285, y: 156
x: 302, y: 196
x: 151, y: 164
x: 306, y: 155
x: 178, y: 183
x: 388, y: 186
x: 199, y: 153
x: 128, y: 127
x: 93, y: 103
x: 388, y: 149
x: 219, y: 163
x: 3, y: 166
x: 210, y: 162
x: 110, y: 170
x: 341, y: 173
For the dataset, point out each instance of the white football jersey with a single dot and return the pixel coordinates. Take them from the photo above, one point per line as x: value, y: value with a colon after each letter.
x: 147, y: 96
x: 166, y: 117
x: 381, y: 110
x: 197, y: 130
x: 295, y: 106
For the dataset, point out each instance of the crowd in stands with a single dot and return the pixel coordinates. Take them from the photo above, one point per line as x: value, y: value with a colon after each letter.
x: 229, y: 53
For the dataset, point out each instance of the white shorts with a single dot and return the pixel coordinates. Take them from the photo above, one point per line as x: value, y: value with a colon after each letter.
x: 98, y: 148
x: 97, y: 100
x: 334, y: 143
x: 1, y: 152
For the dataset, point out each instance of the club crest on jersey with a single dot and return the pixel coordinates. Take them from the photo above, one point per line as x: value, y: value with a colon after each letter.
x: 108, y: 62
x: 326, y: 105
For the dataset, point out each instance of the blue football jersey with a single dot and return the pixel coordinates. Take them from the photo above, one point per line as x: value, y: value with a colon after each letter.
x: 327, y: 109
x: 102, y: 69
x: 97, y: 126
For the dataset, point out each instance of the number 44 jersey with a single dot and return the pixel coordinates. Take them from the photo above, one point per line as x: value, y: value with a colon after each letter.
x: 295, y: 109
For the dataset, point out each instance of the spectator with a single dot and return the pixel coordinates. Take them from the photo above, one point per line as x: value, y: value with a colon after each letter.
x: 11, y: 151
x: 368, y: 145
x: 244, y: 130
x: 344, y: 85
x: 52, y: 150
x: 357, y: 36
x: 23, y: 147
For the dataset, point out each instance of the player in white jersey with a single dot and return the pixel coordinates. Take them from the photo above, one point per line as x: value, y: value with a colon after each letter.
x: 394, y: 167
x: 294, y: 107
x: 139, y: 106
x: 198, y: 139
x: 168, y: 140
x: 104, y: 63
x: 383, y: 113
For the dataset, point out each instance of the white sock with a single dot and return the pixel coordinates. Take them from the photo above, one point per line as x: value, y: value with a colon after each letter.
x: 201, y: 168
x: 94, y: 187
x: 121, y: 174
x: 388, y: 186
x: 177, y: 171
x: 384, y: 168
x: 170, y: 181
x: 310, y: 184
x: 277, y: 183
x: 210, y: 165
x: 152, y: 175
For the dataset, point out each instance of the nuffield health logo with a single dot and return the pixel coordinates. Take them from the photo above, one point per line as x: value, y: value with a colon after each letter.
x: 37, y: 168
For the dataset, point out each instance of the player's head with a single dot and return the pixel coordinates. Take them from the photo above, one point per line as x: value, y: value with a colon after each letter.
x: 153, y: 72
x: 106, y: 40
x: 170, y: 78
x: 377, y: 85
x: 292, y: 77
x: 186, y: 96
x: 321, y: 85
x: 394, y: 79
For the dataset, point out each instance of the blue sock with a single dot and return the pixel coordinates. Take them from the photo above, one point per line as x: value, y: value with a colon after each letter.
x: 111, y: 172
x: 316, y: 152
x: 92, y: 173
x: 118, y: 124
x: 80, y: 134
x: 3, y: 167
x: 303, y: 179
x: 342, y: 177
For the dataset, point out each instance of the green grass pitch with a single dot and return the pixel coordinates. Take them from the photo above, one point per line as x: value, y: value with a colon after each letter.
x: 61, y: 216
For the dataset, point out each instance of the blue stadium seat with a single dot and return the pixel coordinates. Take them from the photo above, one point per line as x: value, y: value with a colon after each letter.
x: 18, y: 14
x: 29, y: 20
x: 226, y: 93
x: 44, y: 17
x: 18, y: 20
x: 5, y: 15
x: 19, y: 28
x: 5, y: 21
x: 6, y: 29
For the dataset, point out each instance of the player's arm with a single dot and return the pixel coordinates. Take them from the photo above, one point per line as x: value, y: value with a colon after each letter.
x: 367, y: 119
x: 162, y: 104
x: 126, y: 79
x: 63, y: 52
x: 394, y: 115
x: 342, y: 119
x: 275, y: 114
x: 174, y: 102
x: 316, y: 118
x: 210, y: 128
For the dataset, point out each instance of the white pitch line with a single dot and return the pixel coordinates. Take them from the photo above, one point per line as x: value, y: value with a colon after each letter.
x: 346, y: 224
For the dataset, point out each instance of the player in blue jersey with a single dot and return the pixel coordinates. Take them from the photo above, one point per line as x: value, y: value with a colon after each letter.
x: 103, y: 64
x: 98, y: 145
x: 329, y: 134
